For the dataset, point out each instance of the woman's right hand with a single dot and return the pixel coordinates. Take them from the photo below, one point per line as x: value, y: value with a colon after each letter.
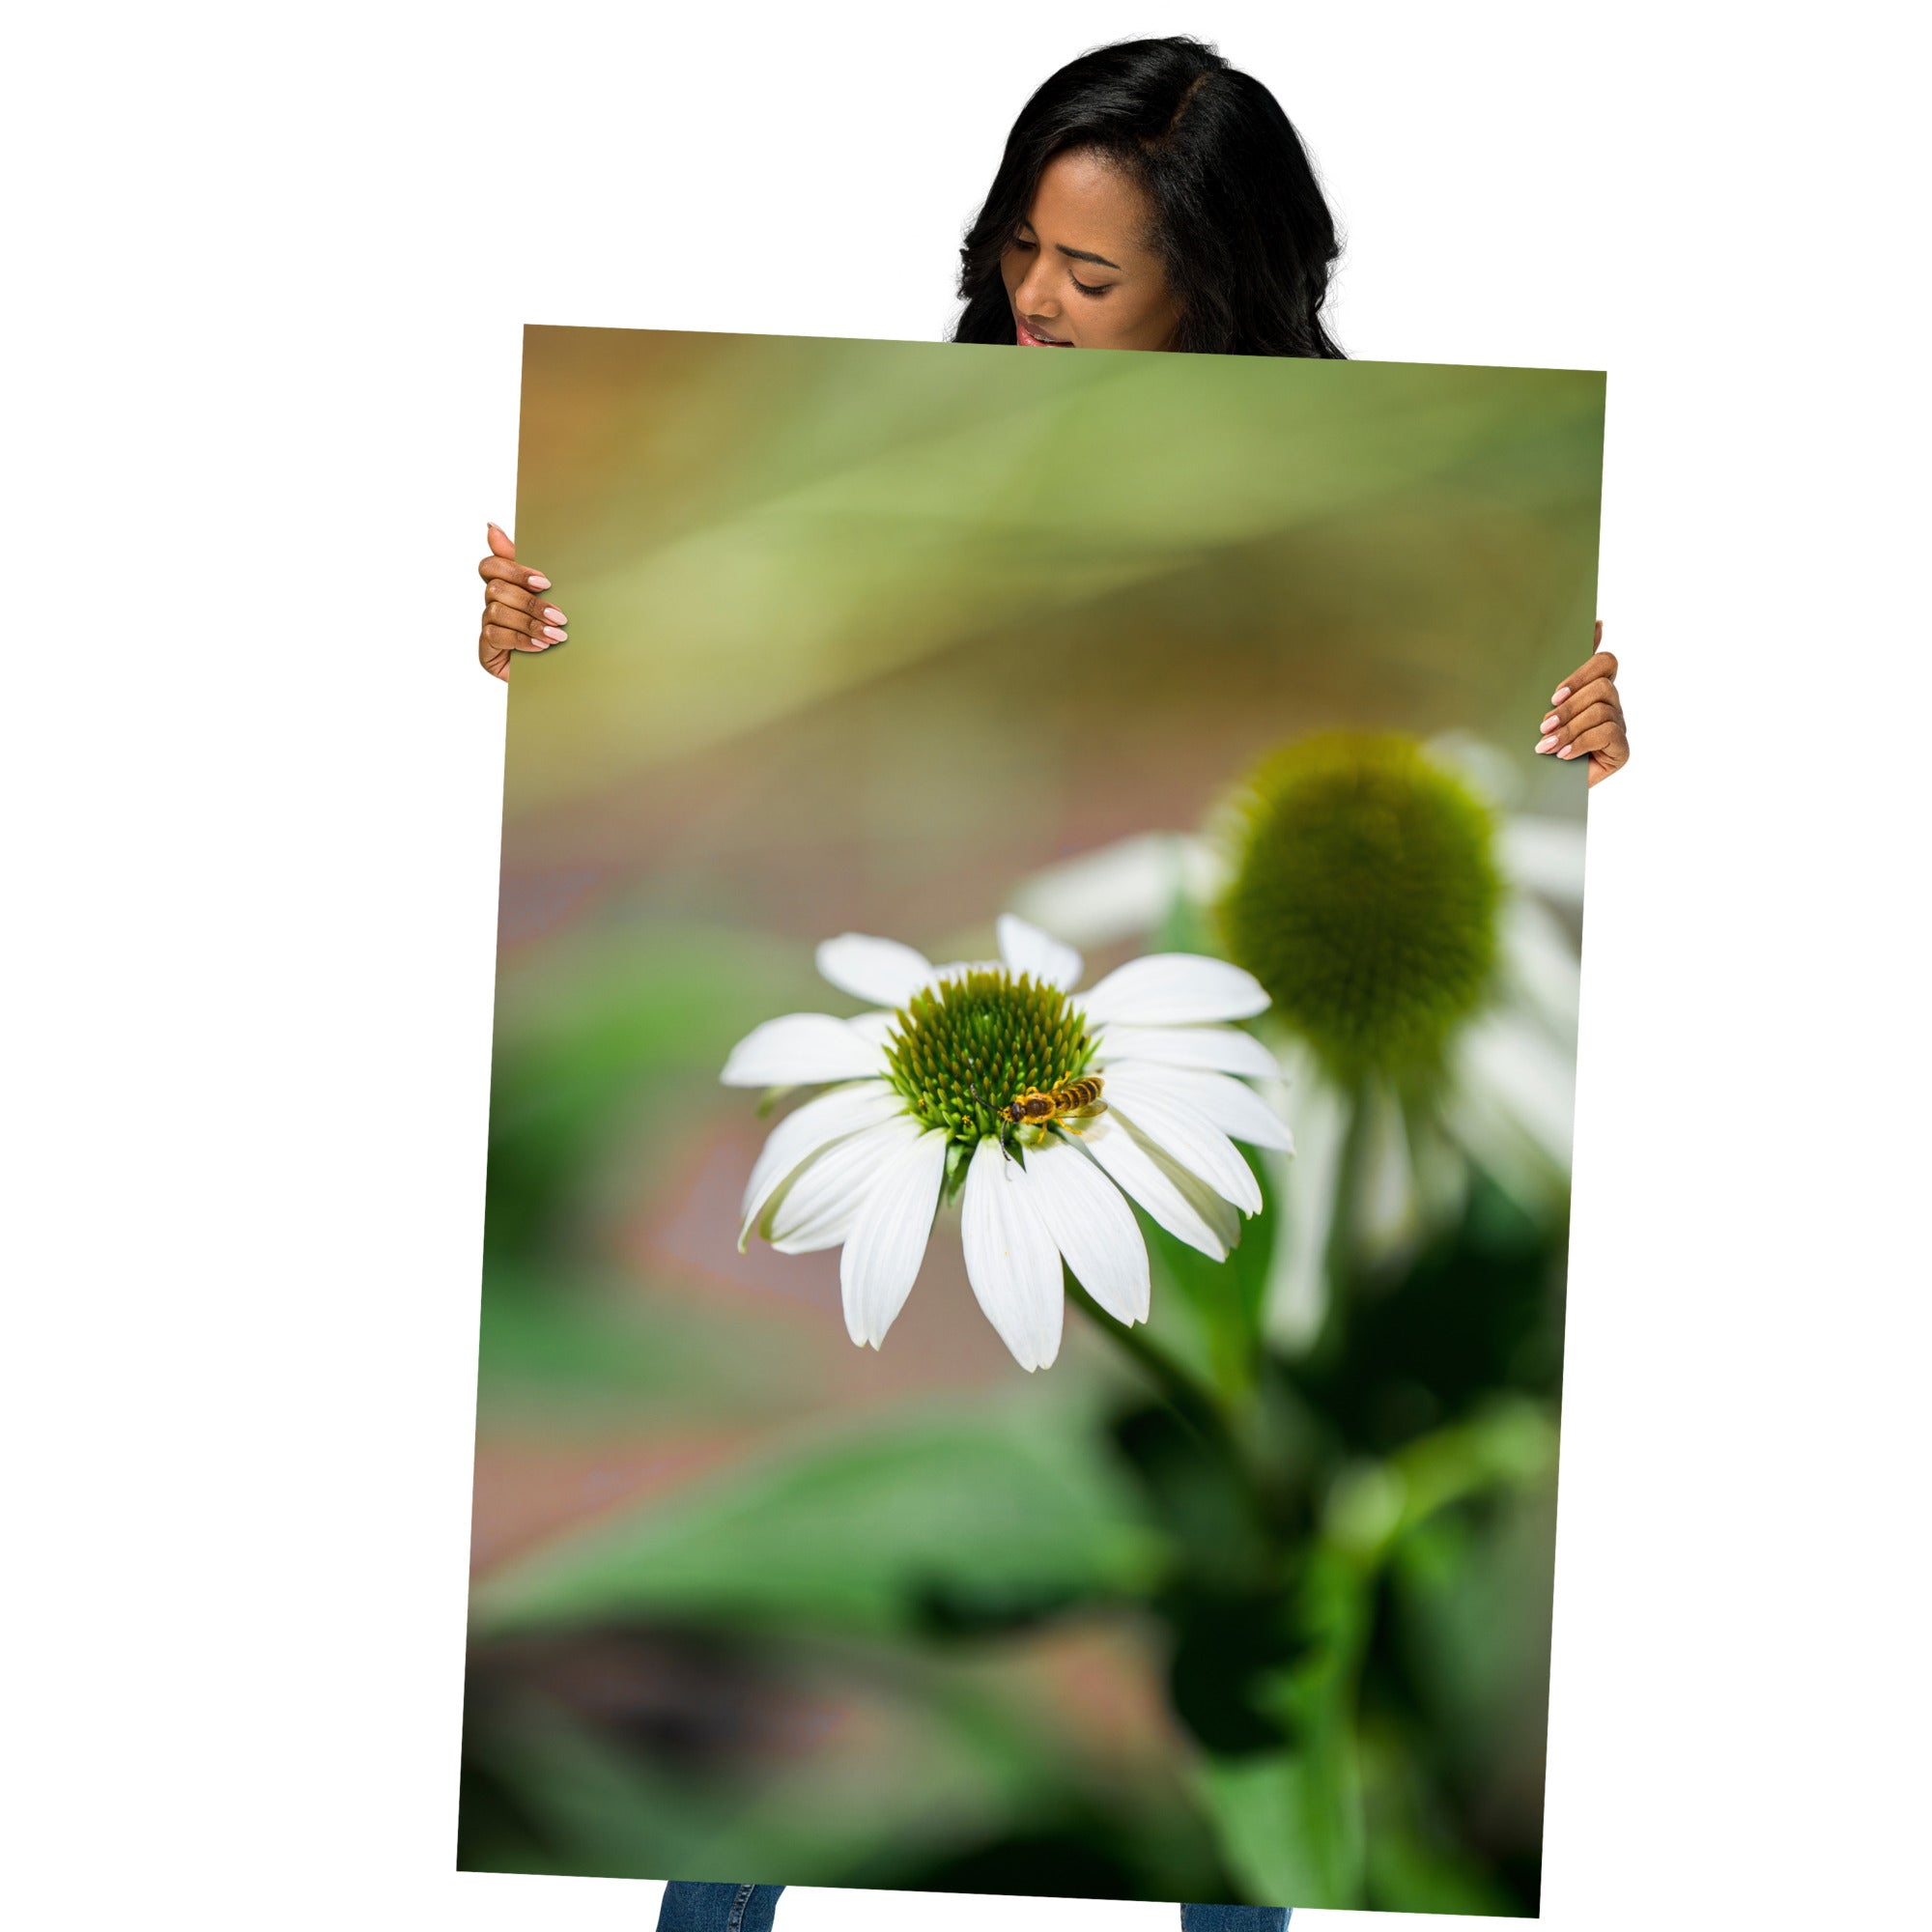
x: 515, y: 618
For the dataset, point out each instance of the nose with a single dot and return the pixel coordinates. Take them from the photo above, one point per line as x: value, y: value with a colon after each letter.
x: 1034, y: 296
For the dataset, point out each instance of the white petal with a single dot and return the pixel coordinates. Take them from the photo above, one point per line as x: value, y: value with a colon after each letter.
x: 843, y: 1111
x: 1221, y: 1216
x: 1295, y: 1300
x: 879, y: 970
x: 1439, y: 1170
x: 800, y: 1050
x: 1010, y: 1259
x: 817, y: 1209
x: 882, y: 1253
x: 1540, y: 956
x: 1122, y: 888
x: 1490, y: 773
x: 1544, y: 854
x: 1175, y: 989
x: 877, y: 1028
x: 1026, y: 948
x: 1092, y: 1226
x: 1386, y: 1211
x: 1155, y: 1186
x: 1513, y: 1102
x: 1224, y: 1049
x: 1239, y: 1112
x: 1187, y: 1135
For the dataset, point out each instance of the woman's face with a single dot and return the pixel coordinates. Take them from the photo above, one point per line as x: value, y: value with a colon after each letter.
x: 1078, y: 271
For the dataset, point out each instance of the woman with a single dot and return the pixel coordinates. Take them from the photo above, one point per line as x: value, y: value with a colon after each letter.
x: 1150, y: 197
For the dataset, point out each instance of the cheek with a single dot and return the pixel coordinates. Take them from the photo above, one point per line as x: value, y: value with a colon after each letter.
x: 1147, y: 323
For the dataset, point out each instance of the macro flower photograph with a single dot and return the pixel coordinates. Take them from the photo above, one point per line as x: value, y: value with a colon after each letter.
x: 1045, y: 1172
x: 1021, y: 1337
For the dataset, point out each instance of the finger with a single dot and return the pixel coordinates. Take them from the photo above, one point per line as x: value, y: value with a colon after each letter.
x: 1612, y: 758
x: 512, y: 597
x: 501, y: 617
x: 530, y: 627
x: 1599, y: 691
x: 499, y: 637
x: 1598, y: 738
x: 1585, y: 721
x: 499, y: 542
x: 497, y: 662
x: 500, y: 570
x: 1602, y: 664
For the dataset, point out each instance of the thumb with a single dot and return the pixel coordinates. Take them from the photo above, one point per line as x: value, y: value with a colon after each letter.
x: 499, y: 543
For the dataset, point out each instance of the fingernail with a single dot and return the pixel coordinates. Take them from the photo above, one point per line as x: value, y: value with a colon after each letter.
x: 497, y: 528
x: 556, y: 616
x: 543, y: 583
x: 1568, y: 752
x: 539, y: 644
x: 1544, y: 744
x: 556, y: 635
x: 1560, y: 694
x: 1549, y: 724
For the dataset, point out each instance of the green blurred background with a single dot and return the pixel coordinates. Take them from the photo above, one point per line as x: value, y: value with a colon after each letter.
x: 863, y: 636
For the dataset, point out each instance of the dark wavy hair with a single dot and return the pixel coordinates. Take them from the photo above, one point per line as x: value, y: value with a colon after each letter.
x: 1240, y: 224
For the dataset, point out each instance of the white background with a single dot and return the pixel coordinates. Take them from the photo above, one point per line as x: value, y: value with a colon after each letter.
x: 267, y: 269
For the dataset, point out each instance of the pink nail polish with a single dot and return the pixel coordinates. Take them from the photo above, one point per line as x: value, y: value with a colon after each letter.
x: 1568, y: 752
x: 1549, y: 724
x: 556, y: 635
x: 1544, y: 744
x: 543, y: 582
x: 1560, y: 694
x: 556, y: 616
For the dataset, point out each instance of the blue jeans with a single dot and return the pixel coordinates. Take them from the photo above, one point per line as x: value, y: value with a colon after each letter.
x: 750, y: 1907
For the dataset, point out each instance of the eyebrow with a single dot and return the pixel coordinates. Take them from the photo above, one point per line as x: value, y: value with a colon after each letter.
x: 1080, y: 254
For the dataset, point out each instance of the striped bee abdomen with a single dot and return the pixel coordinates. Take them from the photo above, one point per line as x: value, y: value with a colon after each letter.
x: 1077, y: 1097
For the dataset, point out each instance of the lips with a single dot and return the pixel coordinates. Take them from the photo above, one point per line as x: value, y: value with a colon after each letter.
x: 1028, y: 339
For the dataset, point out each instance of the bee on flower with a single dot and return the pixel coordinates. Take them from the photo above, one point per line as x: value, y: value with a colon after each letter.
x: 982, y: 1083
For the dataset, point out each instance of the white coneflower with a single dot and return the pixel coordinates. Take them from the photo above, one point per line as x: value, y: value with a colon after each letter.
x: 915, y: 1110
x: 1423, y: 984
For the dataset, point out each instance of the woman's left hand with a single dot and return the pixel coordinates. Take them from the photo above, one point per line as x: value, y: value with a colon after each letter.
x: 1587, y: 717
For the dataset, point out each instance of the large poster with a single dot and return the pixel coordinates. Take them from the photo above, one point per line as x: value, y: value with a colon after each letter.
x: 1022, y: 1321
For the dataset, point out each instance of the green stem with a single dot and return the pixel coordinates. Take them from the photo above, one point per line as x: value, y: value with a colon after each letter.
x: 1338, y: 1252
x: 1192, y: 1400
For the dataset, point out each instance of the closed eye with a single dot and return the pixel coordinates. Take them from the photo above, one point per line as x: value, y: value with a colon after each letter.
x: 1085, y: 288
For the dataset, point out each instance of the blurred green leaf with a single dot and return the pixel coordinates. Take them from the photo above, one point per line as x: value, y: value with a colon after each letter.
x: 1280, y: 1831
x: 630, y: 1023
x: 1291, y: 1821
x: 1415, y: 1861
x: 548, y: 1791
x: 579, y: 1347
x: 1006, y: 1506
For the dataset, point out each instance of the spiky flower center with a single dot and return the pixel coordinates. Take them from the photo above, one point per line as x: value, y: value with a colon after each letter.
x: 973, y: 1044
x: 1364, y: 898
